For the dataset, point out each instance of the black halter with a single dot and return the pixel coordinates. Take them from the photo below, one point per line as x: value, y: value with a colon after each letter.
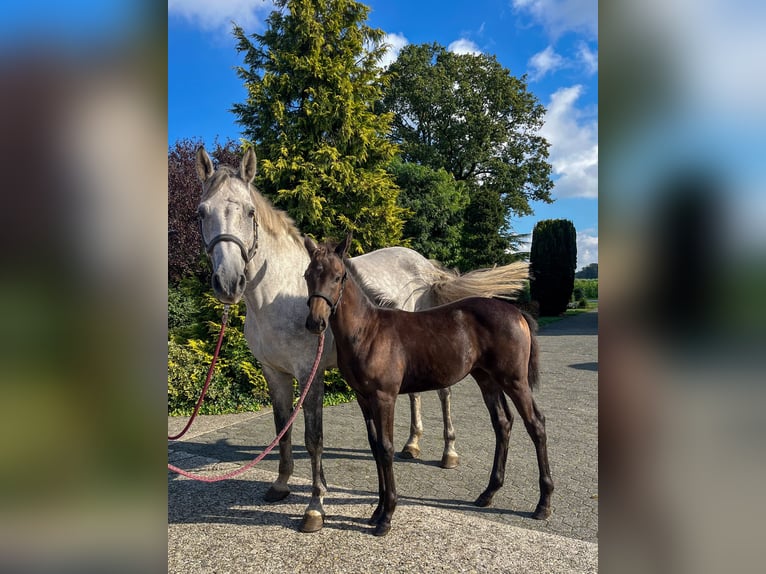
x: 247, y: 255
x: 333, y: 306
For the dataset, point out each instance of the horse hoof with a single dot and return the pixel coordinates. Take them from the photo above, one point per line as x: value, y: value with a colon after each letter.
x: 276, y: 493
x: 541, y: 513
x: 382, y: 529
x: 375, y: 516
x: 450, y: 461
x: 410, y: 452
x: 484, y: 500
x: 312, y: 521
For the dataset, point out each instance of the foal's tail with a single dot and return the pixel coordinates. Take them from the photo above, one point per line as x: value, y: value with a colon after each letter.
x: 533, y: 367
x: 505, y: 281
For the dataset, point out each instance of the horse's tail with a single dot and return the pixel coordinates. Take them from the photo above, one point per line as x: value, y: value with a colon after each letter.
x: 533, y: 366
x: 505, y: 281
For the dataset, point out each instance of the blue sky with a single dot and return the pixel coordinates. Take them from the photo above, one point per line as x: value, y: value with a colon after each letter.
x: 554, y: 42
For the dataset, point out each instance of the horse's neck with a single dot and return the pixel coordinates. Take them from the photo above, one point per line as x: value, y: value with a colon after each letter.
x: 278, y: 268
x: 354, y: 312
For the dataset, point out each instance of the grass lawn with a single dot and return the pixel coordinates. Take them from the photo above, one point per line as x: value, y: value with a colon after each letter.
x: 543, y: 321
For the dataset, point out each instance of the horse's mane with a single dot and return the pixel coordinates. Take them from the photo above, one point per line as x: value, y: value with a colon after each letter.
x: 271, y: 219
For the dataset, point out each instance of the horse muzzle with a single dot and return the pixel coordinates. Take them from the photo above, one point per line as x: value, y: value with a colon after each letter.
x: 316, y: 325
x: 228, y: 289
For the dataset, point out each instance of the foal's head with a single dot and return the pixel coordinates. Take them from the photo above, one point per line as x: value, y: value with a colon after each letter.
x: 325, y: 278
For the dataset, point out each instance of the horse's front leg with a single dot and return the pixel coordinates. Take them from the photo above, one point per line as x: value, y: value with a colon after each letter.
x: 412, y: 446
x: 281, y: 393
x: 383, y: 417
x: 313, y: 517
x: 372, y: 438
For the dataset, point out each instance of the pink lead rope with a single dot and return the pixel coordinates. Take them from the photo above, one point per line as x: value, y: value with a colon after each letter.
x: 274, y: 443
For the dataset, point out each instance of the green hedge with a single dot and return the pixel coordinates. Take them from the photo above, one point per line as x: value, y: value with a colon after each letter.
x: 588, y: 287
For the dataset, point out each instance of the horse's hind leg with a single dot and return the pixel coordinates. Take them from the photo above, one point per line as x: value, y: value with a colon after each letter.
x: 502, y: 420
x: 412, y: 446
x: 450, y: 458
x: 534, y: 421
x: 281, y: 393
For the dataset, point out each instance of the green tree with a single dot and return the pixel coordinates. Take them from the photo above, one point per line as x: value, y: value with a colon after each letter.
x: 467, y: 114
x: 313, y: 80
x: 553, y: 258
x: 435, y: 202
x: 590, y: 271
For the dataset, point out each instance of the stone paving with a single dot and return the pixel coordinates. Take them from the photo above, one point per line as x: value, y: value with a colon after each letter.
x: 429, y: 496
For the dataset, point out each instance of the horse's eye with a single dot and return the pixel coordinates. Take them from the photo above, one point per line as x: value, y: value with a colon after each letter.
x: 201, y: 212
x: 251, y: 212
x: 337, y: 279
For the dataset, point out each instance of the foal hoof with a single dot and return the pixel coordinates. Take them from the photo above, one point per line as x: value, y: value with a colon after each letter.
x: 450, y: 461
x: 410, y: 452
x: 484, y: 500
x: 312, y: 521
x: 382, y: 529
x: 541, y: 513
x: 276, y: 493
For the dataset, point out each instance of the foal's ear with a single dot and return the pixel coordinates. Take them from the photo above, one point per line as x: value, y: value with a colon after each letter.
x: 344, y: 246
x: 309, y: 244
x: 249, y: 166
x: 203, y: 165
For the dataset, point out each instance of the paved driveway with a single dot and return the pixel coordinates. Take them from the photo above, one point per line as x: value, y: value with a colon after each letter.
x: 225, y: 526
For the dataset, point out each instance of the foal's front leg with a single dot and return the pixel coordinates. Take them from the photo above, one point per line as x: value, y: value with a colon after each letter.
x: 372, y: 438
x: 383, y: 418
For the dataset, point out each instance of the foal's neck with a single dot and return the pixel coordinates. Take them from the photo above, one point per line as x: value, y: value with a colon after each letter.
x: 354, y: 311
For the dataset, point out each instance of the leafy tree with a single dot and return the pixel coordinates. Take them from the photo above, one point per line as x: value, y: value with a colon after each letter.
x: 553, y: 258
x: 588, y: 272
x: 185, y: 254
x: 435, y: 202
x: 312, y: 81
x: 467, y: 114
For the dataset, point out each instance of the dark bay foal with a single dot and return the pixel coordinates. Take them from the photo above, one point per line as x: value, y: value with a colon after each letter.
x: 386, y: 352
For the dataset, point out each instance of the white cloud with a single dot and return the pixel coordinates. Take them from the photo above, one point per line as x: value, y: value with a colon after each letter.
x: 464, y: 46
x: 250, y: 14
x: 544, y: 62
x: 588, y: 59
x: 395, y: 44
x: 587, y: 247
x: 573, y: 136
x: 560, y: 16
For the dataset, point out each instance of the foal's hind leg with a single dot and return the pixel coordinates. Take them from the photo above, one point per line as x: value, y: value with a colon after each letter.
x: 534, y: 421
x: 502, y: 420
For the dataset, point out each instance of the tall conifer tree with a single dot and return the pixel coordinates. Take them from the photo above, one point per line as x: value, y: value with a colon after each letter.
x: 312, y: 79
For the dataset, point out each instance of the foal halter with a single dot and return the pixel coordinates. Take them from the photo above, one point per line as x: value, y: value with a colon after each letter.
x: 247, y: 254
x: 333, y: 306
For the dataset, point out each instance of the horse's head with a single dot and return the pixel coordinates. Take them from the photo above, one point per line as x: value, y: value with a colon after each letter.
x: 325, y: 278
x: 228, y: 223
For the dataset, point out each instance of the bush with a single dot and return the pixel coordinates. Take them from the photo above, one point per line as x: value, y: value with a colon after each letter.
x: 553, y: 257
x: 588, y: 287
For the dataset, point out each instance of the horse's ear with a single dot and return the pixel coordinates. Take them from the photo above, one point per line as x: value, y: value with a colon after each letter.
x: 204, y: 165
x: 344, y: 246
x: 309, y: 244
x: 249, y: 166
